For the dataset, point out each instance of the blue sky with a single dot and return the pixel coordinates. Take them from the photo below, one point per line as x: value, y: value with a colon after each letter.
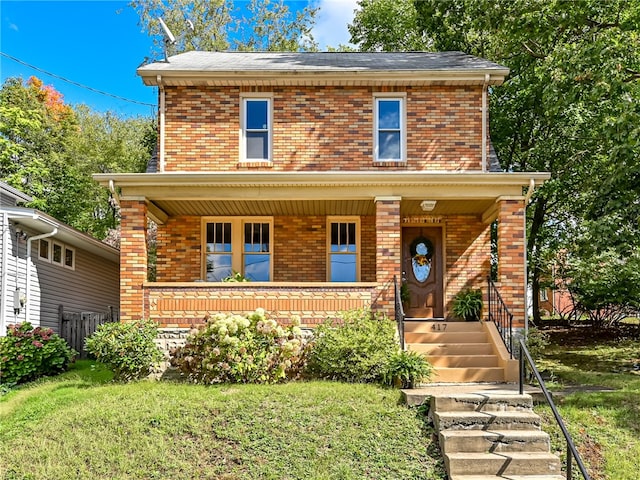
x: 99, y: 44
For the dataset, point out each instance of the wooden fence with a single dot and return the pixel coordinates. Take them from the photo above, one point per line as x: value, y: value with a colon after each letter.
x: 75, y: 327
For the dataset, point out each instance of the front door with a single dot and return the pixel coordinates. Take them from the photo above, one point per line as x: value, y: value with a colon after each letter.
x: 422, y: 271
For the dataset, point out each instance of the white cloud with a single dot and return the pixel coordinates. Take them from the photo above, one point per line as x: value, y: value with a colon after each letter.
x: 13, y: 26
x: 332, y: 19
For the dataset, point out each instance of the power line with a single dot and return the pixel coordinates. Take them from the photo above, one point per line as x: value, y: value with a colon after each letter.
x: 75, y: 83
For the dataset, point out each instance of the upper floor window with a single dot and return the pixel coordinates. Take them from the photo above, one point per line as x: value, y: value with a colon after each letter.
x: 389, y: 129
x: 256, y: 129
x: 343, y: 249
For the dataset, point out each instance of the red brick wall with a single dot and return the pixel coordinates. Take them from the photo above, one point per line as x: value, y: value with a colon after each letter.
x: 468, y: 244
x: 388, y: 252
x: 323, y: 128
x: 133, y: 258
x: 511, y: 257
x: 179, y: 250
x: 300, y: 245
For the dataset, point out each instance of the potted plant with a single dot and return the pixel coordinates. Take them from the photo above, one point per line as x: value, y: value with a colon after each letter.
x: 406, y: 369
x: 467, y: 305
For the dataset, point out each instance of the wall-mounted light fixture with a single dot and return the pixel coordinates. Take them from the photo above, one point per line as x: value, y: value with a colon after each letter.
x: 428, y: 205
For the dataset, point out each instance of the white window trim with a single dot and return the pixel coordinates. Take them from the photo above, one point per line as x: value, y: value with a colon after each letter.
x: 237, y: 241
x: 49, y: 250
x: 344, y: 219
x: 243, y: 143
x: 64, y: 257
x: 53, y: 260
x: 402, y: 98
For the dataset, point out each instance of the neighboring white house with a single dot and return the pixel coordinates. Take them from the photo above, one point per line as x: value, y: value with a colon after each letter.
x: 45, y: 263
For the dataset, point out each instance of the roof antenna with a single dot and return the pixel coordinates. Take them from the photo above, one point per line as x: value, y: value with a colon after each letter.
x: 169, y: 39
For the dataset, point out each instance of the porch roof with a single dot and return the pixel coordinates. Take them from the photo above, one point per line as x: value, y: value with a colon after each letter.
x: 316, y: 193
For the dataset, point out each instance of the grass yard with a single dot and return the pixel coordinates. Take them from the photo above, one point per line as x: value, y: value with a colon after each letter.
x: 79, y: 426
x: 604, y: 424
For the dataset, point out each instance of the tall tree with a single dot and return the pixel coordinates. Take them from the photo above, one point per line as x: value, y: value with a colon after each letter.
x: 216, y: 25
x: 49, y: 150
x: 570, y: 106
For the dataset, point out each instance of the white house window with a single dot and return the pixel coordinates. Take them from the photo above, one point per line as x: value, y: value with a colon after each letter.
x: 57, y: 253
x: 69, y: 258
x: 389, y: 129
x: 240, y: 245
x: 44, y: 250
x: 343, y: 249
x: 256, y: 129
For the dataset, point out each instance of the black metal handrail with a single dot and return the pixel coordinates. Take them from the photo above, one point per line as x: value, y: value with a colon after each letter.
x: 501, y: 316
x: 572, y: 452
x: 399, y: 310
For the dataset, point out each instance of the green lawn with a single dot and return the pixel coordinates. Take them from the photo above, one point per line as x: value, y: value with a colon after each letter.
x: 79, y: 426
x: 604, y: 424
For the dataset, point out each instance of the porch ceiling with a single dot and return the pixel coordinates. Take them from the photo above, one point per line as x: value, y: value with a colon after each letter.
x: 313, y: 207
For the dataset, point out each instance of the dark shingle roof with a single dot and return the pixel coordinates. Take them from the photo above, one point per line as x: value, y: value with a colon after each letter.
x: 323, y: 62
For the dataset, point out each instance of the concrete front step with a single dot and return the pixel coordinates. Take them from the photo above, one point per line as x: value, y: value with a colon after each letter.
x: 451, y: 348
x: 446, y: 337
x: 453, y: 361
x: 494, y: 441
x: 508, y: 477
x: 435, y: 326
x: 468, y: 374
x: 486, y: 421
x: 476, y: 402
x: 520, y: 463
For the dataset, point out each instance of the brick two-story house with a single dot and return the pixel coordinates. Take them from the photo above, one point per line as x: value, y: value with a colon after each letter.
x: 320, y: 177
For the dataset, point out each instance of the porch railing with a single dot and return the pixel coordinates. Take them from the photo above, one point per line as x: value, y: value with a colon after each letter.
x: 399, y: 310
x: 501, y: 316
x: 572, y: 452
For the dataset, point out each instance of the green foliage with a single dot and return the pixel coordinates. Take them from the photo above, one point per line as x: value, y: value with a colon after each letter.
x: 128, y: 349
x: 537, y: 342
x: 236, y: 277
x: 27, y: 353
x: 242, y: 349
x: 407, y: 368
x: 467, y: 305
x: 219, y: 26
x: 355, y: 350
x: 49, y: 151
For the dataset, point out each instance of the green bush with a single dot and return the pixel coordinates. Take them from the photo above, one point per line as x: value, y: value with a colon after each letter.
x: 357, y: 350
x: 537, y: 342
x: 242, y: 349
x: 406, y: 368
x: 27, y: 353
x: 128, y: 349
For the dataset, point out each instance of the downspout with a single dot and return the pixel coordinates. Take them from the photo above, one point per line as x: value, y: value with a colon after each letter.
x: 527, y: 198
x: 114, y: 192
x: 28, y: 293
x: 162, y: 123
x: 484, y: 122
x: 3, y: 282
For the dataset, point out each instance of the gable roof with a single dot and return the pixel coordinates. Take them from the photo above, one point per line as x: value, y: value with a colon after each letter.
x: 17, y: 195
x: 405, y: 67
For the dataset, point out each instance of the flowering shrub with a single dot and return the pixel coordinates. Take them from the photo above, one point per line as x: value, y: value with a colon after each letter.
x: 242, y: 349
x: 27, y: 353
x: 357, y: 350
x: 128, y: 349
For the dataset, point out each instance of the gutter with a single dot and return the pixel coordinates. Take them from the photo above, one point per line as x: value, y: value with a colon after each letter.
x: 29, y: 241
x: 484, y: 121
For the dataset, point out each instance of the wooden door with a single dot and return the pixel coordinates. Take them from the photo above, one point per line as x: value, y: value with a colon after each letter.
x: 422, y: 271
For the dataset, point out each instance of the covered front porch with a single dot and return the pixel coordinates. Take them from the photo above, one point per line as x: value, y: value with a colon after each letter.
x: 316, y: 243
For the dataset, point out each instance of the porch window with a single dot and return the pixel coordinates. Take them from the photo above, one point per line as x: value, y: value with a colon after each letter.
x: 256, y: 129
x: 240, y: 245
x: 343, y: 249
x: 389, y: 129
